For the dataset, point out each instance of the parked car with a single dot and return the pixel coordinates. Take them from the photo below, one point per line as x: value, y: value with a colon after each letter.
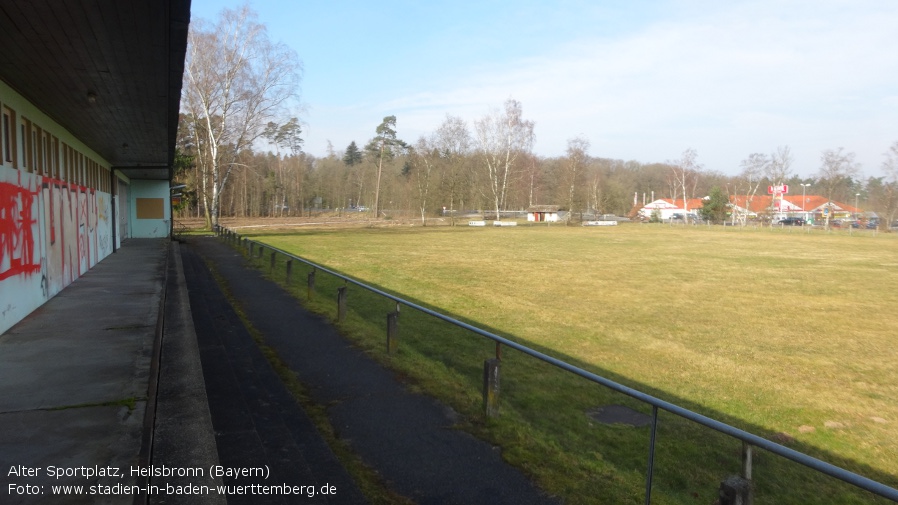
x: 792, y: 221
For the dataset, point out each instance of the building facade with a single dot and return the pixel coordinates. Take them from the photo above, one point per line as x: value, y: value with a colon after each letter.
x: 86, y: 138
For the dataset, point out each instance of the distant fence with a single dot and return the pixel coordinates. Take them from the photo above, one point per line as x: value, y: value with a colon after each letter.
x: 749, y: 440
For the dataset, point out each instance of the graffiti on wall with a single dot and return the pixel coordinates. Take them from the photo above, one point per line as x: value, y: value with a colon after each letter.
x: 72, y: 228
x: 104, y: 224
x: 83, y: 233
x: 51, y: 232
x: 19, y: 228
x: 54, y: 258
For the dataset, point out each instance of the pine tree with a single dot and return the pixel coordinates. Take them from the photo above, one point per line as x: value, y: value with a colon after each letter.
x: 382, y: 146
x: 353, y: 156
x: 714, y: 208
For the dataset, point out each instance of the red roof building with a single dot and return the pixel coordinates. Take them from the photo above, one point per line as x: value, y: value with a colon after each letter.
x: 811, y: 208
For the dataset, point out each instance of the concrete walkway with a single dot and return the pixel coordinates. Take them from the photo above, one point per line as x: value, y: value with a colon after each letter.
x: 78, y: 387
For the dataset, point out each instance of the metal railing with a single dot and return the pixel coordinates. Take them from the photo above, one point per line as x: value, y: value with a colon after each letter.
x: 748, y: 440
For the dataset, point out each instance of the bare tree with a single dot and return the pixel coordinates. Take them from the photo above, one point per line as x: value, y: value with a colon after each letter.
x: 600, y: 170
x: 285, y: 135
x: 685, y: 171
x: 779, y: 165
x: 424, y: 157
x: 502, y: 137
x: 753, y: 169
x: 534, y: 176
x: 889, y: 202
x: 836, y: 170
x: 235, y: 81
x: 574, y: 167
x: 453, y: 142
x: 778, y: 169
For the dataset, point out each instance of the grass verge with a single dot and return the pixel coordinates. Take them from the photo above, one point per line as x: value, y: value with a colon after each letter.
x: 686, y: 315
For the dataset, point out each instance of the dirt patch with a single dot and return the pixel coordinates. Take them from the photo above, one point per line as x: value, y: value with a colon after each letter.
x: 618, y: 414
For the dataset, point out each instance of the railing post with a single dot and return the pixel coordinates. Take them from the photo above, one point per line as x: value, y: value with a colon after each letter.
x: 393, y: 332
x: 491, y: 387
x: 261, y: 250
x: 341, y: 304
x: 747, y: 450
x: 651, y: 469
x: 271, y: 264
x: 310, y: 282
x: 289, y: 270
x: 738, y: 490
x: 734, y: 491
x: 252, y: 249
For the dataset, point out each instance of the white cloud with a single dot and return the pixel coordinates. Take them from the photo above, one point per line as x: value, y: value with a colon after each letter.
x: 728, y: 81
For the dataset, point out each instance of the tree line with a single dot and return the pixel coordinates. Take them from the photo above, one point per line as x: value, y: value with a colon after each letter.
x: 240, y: 154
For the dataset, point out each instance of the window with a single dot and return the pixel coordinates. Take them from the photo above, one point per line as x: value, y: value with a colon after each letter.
x: 37, y: 161
x: 23, y: 130
x: 68, y: 163
x: 53, y: 160
x: 44, y: 153
x: 9, y: 137
x: 79, y: 169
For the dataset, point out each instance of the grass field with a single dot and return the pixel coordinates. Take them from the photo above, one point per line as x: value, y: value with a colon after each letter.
x: 785, y: 334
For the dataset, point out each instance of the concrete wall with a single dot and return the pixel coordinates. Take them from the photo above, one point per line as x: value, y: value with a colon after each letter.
x: 51, y: 232
x: 53, y: 226
x: 150, y: 209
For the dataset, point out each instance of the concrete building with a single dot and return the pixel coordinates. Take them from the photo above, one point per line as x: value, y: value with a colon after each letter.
x: 666, y: 208
x: 89, y: 101
x: 543, y: 213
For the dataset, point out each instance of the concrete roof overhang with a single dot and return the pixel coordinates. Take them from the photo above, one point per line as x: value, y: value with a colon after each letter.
x: 108, y: 71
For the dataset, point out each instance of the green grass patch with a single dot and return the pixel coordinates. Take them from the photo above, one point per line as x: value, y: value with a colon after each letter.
x: 129, y: 403
x: 786, y: 335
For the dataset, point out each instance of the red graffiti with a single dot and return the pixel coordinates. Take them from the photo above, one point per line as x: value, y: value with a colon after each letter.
x: 17, y: 222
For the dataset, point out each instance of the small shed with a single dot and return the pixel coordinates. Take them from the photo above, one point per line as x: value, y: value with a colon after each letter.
x: 543, y: 213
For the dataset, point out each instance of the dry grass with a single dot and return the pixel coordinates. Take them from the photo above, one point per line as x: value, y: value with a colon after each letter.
x: 772, y: 331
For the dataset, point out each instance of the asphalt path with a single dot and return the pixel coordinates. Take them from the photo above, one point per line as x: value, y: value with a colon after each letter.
x: 407, y: 437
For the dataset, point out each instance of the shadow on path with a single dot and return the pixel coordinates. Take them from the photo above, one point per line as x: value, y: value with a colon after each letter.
x: 408, y: 438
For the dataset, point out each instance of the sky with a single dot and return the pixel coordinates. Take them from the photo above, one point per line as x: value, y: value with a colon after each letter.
x: 640, y: 80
